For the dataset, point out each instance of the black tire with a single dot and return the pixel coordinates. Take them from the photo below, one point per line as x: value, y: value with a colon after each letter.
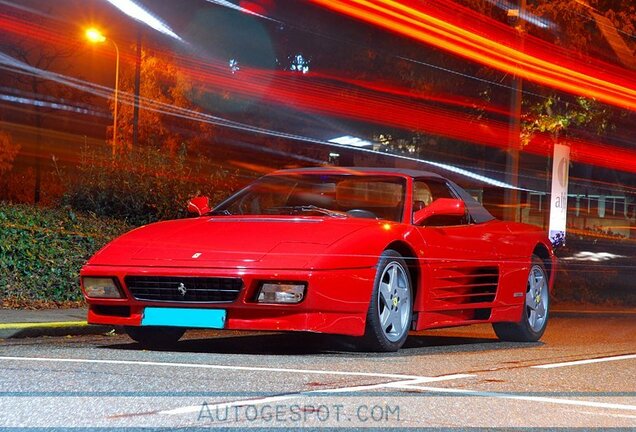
x: 155, y: 337
x: 524, y: 331
x: 378, y: 337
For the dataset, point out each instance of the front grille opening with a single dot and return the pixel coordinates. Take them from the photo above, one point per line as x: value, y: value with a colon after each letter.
x: 118, y: 311
x: 184, y: 289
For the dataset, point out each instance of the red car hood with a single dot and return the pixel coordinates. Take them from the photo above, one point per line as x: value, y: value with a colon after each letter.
x: 228, y: 241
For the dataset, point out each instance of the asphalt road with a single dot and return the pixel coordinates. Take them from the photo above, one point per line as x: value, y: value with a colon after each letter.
x: 582, y: 374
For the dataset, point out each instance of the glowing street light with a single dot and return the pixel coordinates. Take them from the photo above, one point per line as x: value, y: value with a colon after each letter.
x: 95, y: 36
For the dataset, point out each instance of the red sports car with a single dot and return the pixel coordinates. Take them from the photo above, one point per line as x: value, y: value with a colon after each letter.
x: 364, y: 252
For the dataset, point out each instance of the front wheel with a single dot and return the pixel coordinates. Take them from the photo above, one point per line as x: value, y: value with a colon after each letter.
x: 155, y: 337
x: 534, y: 318
x: 391, y: 305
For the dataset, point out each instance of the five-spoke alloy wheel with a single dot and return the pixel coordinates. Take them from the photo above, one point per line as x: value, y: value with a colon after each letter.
x: 535, y: 309
x: 391, y: 306
x: 536, y: 306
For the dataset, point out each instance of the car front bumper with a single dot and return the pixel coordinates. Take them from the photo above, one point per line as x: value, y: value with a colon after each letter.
x: 335, y: 301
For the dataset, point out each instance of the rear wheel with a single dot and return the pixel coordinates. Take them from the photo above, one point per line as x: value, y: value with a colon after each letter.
x: 534, y: 318
x: 390, y: 308
x: 155, y: 337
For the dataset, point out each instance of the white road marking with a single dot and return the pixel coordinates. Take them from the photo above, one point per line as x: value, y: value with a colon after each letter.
x: 608, y: 414
x: 588, y: 361
x: 222, y: 367
x: 244, y: 402
x: 403, y: 379
x: 543, y: 399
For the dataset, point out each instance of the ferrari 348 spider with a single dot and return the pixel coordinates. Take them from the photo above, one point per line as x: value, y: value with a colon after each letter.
x: 364, y: 252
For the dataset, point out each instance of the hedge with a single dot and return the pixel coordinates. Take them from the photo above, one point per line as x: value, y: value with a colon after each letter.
x: 43, y: 249
x: 143, y: 185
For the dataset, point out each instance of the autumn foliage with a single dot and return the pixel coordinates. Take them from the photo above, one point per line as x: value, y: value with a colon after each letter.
x: 163, y: 86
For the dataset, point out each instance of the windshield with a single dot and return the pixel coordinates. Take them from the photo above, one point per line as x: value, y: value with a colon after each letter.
x: 378, y: 197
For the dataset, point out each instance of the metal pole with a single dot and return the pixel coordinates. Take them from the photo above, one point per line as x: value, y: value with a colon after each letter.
x: 116, y: 98
x: 511, y: 197
x: 137, y: 82
x: 512, y: 156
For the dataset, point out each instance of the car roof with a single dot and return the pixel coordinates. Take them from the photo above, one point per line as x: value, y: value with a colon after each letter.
x: 359, y: 171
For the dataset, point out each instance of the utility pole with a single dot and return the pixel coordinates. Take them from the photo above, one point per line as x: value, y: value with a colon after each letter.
x: 116, y: 101
x: 137, y: 81
x: 511, y: 196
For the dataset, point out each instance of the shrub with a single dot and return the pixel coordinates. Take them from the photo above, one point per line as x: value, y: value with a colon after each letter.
x: 143, y: 185
x: 43, y: 249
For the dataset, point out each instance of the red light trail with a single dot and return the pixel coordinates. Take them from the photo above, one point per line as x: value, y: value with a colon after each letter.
x: 418, y: 20
x: 376, y: 102
x: 371, y: 104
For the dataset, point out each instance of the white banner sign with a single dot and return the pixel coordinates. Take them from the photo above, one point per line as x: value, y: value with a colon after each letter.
x: 559, y: 196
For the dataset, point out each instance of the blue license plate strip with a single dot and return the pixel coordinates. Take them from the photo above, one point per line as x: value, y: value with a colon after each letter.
x: 184, y: 317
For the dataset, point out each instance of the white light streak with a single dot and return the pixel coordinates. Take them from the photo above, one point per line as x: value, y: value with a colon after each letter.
x: 52, y: 105
x: 9, y: 63
x: 137, y: 12
x: 593, y: 256
x: 231, y: 5
x: 524, y: 15
x: 351, y: 141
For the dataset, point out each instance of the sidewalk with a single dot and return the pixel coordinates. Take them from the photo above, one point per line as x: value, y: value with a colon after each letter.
x: 16, y: 323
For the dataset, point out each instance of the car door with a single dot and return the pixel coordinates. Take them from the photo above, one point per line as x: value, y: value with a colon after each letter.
x: 461, y: 257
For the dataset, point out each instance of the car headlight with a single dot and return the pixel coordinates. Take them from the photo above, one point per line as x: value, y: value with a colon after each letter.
x: 281, y: 292
x: 95, y: 287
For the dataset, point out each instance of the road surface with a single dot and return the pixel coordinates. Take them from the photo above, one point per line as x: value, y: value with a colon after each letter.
x: 582, y: 374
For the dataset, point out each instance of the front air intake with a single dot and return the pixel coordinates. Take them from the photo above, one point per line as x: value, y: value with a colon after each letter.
x: 184, y: 289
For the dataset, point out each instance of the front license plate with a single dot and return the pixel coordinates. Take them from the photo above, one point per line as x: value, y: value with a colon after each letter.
x: 184, y: 317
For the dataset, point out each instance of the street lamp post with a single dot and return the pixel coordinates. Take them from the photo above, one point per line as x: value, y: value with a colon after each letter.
x: 95, y: 36
x: 511, y: 195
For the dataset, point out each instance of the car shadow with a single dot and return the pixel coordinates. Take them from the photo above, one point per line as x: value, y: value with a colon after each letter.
x: 425, y: 344
x: 289, y: 344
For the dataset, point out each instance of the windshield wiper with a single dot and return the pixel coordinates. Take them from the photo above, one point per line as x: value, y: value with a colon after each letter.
x: 310, y: 209
x: 220, y: 212
x: 332, y: 213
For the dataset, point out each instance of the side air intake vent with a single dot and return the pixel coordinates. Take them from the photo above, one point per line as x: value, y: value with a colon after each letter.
x: 467, y: 285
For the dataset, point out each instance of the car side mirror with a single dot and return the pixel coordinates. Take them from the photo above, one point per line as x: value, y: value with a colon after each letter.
x: 199, y: 205
x: 440, y: 207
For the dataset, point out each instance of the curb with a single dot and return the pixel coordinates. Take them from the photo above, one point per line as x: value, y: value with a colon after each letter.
x: 64, y: 328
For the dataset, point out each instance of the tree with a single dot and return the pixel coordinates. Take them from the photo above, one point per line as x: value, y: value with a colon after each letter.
x: 558, y: 117
x: 163, y: 86
x: 579, y: 29
x: 8, y: 151
x: 45, y: 57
